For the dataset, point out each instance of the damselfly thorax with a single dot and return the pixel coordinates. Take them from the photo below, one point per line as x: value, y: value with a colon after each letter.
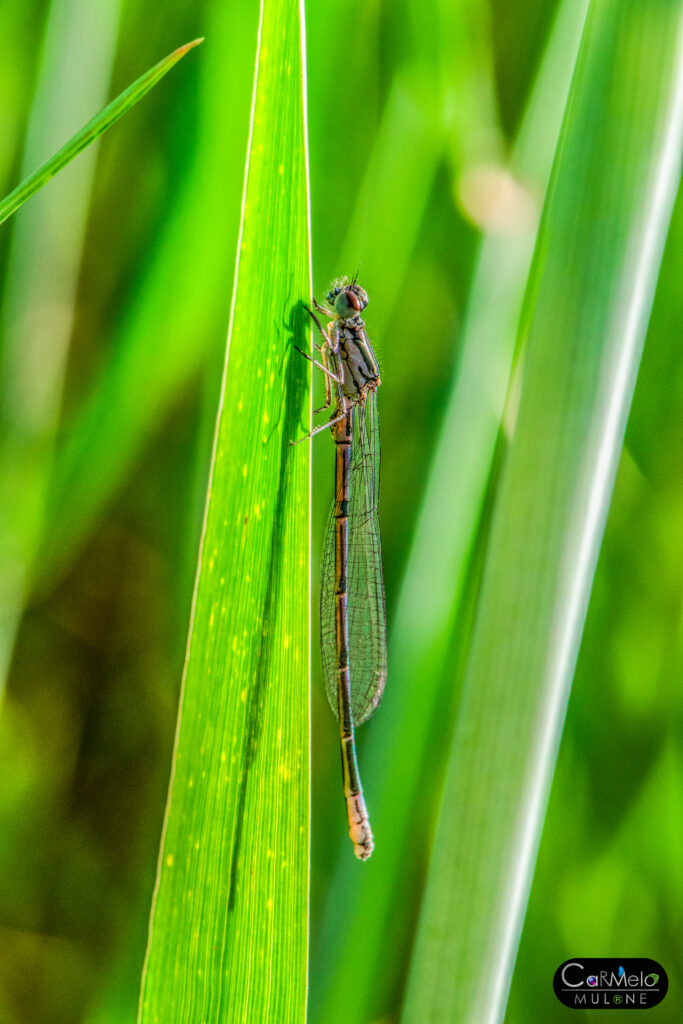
x: 360, y: 372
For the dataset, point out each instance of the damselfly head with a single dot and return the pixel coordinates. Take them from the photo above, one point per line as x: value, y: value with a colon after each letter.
x: 348, y: 298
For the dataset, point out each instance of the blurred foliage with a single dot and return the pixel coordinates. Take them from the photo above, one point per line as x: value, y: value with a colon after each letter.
x: 405, y: 179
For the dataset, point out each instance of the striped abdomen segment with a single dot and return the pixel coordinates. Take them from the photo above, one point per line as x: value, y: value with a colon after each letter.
x: 359, y: 825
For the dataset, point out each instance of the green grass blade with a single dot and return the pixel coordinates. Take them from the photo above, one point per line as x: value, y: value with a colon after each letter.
x: 134, y: 388
x: 229, y: 932
x: 92, y: 130
x: 584, y: 321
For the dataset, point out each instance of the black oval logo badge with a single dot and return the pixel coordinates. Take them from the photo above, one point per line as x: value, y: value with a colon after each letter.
x: 605, y: 983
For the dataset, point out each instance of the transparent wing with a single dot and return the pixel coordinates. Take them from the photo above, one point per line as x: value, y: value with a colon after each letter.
x: 365, y: 581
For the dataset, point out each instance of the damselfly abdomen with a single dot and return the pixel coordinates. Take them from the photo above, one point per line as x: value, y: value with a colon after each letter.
x: 352, y: 614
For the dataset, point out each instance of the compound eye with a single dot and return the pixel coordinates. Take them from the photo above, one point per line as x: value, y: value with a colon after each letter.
x: 350, y: 302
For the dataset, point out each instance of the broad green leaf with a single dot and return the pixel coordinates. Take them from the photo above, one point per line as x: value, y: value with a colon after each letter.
x: 229, y: 932
x: 583, y: 325
x: 401, y: 756
x: 628, y: 675
x: 92, y: 130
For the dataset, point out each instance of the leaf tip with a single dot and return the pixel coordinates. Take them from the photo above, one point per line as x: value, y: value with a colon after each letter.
x: 182, y: 50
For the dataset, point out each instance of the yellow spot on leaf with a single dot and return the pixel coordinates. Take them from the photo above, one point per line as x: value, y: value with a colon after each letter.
x: 169, y: 860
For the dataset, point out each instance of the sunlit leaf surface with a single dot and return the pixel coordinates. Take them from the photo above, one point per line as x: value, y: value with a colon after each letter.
x: 229, y: 933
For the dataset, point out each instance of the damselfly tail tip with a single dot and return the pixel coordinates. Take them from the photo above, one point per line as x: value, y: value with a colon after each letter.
x: 364, y: 850
x: 360, y: 832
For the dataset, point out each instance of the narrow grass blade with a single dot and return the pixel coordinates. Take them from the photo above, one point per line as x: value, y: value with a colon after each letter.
x: 92, y: 130
x: 584, y: 320
x: 179, y: 295
x: 229, y: 932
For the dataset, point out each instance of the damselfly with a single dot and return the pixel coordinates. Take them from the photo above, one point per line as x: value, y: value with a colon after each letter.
x: 352, y: 615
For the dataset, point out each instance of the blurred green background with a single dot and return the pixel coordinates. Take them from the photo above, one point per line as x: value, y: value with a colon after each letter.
x: 116, y: 284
